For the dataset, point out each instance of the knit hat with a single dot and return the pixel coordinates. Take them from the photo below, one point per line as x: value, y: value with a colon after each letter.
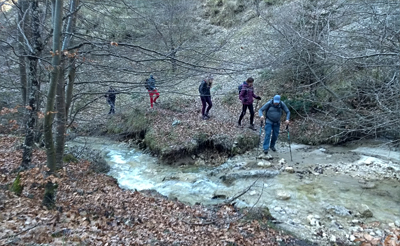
x: 277, y: 99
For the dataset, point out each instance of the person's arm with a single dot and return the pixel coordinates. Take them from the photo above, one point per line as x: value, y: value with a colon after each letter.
x: 201, y: 88
x: 262, y: 109
x: 287, y: 111
x: 255, y: 96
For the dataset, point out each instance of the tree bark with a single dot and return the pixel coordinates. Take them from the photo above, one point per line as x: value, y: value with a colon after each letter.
x: 34, y: 86
x: 56, y: 62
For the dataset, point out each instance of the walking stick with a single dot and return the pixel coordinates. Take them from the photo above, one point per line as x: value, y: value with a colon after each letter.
x: 259, y: 138
x: 288, y: 136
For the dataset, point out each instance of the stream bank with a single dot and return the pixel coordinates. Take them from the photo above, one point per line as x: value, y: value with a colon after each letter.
x: 326, y: 194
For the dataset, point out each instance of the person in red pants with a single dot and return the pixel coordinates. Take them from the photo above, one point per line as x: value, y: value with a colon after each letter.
x: 151, y: 88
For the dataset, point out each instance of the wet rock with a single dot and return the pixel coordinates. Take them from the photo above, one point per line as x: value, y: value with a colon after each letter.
x: 368, y: 185
x: 265, y: 157
x: 264, y: 164
x: 332, y: 239
x: 313, y: 221
x: 338, y: 210
x: 229, y: 178
x: 289, y: 169
x: 364, y: 211
x: 397, y: 223
x: 282, y: 195
x: 253, y: 193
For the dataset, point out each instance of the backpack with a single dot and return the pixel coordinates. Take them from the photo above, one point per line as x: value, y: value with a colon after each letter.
x: 146, y: 84
x: 240, y: 87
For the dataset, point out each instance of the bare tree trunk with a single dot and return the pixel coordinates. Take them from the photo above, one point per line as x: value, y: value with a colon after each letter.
x: 60, y: 119
x: 60, y: 98
x: 22, y: 20
x: 71, y: 61
x: 56, y: 62
x: 55, y: 81
x: 34, y: 85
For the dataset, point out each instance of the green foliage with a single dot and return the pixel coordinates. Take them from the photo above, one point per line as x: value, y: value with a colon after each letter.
x: 266, y: 75
x: 299, y: 106
x: 152, y: 142
x: 68, y: 158
x: 16, y: 186
x: 230, y: 98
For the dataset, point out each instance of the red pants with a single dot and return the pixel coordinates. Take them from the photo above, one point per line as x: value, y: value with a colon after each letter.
x: 152, y: 98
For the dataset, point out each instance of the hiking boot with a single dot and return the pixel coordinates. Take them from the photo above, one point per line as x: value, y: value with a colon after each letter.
x: 252, y: 127
x: 239, y: 125
x: 265, y: 152
x: 205, y: 117
x: 273, y: 149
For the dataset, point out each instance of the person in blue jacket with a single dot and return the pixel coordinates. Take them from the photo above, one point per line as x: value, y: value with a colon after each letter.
x: 273, y: 112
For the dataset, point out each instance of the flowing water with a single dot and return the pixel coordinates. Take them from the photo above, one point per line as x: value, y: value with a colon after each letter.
x: 335, y: 190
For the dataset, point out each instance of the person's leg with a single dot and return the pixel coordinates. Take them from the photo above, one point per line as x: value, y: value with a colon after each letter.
x: 242, y: 114
x: 151, y: 94
x: 275, y: 134
x: 204, y: 104
x: 251, y: 109
x: 209, y: 102
x: 157, y: 95
x: 268, y: 127
x: 112, y: 106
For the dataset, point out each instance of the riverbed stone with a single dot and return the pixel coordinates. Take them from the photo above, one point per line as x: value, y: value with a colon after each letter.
x: 282, y: 195
x: 265, y: 157
x: 264, y: 164
x: 364, y: 210
x: 289, y: 169
x: 313, y: 221
x: 282, y: 162
x: 368, y: 185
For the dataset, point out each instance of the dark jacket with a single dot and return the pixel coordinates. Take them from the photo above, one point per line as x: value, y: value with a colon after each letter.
x: 151, y: 83
x: 273, y: 113
x: 111, y: 94
x: 204, y: 89
x: 247, y: 94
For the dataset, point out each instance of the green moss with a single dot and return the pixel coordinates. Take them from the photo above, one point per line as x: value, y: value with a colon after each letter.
x: 16, y: 186
x: 49, y: 199
x: 68, y: 158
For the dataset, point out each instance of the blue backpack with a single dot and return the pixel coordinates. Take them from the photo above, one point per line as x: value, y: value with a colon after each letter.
x: 241, y: 86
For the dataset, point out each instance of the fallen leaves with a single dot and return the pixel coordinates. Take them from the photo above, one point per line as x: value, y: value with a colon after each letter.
x: 93, y: 210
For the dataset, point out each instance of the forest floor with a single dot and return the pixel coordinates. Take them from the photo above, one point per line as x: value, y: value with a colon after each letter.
x: 91, y: 209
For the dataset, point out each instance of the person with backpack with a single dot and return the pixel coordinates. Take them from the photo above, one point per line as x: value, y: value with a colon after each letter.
x: 273, y: 112
x: 110, y: 95
x: 151, y: 88
x: 246, y: 95
x: 205, y: 96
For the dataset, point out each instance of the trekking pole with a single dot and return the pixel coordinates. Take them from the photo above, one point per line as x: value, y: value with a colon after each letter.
x: 288, y: 136
x: 259, y: 138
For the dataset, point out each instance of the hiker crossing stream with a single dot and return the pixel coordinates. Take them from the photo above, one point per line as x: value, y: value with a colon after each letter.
x: 325, y: 194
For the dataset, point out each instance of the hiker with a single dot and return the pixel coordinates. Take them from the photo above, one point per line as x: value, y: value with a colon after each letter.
x: 110, y: 95
x: 151, y: 88
x: 205, y: 96
x: 273, y: 112
x: 246, y: 96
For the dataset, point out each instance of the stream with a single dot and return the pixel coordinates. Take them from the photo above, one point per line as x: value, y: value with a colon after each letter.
x: 320, y: 193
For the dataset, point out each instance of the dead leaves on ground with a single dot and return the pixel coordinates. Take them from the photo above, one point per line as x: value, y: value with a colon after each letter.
x: 93, y: 210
